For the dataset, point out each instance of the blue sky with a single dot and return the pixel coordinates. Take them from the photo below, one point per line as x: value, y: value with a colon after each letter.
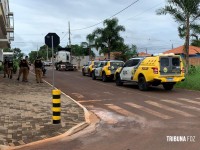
x: 35, y: 18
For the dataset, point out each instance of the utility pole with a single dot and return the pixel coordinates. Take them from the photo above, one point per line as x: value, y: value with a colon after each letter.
x: 172, y: 46
x: 69, y: 35
x: 47, y: 53
x: 37, y: 50
x: 70, y: 41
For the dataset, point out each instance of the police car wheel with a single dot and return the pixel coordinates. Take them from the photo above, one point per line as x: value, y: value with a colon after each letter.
x: 118, y: 81
x: 93, y: 76
x: 104, y: 77
x: 142, y: 84
x: 83, y: 73
x: 168, y: 86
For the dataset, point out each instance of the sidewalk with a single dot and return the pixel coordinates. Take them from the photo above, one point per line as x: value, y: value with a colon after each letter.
x: 25, y: 112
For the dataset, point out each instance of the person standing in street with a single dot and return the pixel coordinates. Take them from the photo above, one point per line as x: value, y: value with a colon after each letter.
x: 10, y: 68
x: 38, y: 70
x: 27, y: 71
x: 5, y: 66
x: 20, y: 70
x: 25, y: 68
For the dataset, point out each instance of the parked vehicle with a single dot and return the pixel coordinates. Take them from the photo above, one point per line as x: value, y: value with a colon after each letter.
x: 87, y: 69
x: 47, y: 63
x: 63, y: 61
x: 106, y: 69
x: 165, y: 69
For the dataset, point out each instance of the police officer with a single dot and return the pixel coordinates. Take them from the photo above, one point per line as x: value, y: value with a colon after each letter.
x: 38, y: 70
x: 5, y: 66
x: 20, y: 70
x: 10, y: 68
x: 24, y: 67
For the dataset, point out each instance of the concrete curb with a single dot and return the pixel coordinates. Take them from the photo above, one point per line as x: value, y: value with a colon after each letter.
x: 88, y: 121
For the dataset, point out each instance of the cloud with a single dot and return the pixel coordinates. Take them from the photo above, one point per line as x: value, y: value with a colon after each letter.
x: 35, y: 18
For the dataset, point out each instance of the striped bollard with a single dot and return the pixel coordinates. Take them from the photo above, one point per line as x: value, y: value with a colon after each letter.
x: 56, y: 106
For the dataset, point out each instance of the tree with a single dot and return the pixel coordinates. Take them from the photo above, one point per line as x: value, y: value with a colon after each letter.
x: 108, y: 37
x: 185, y: 12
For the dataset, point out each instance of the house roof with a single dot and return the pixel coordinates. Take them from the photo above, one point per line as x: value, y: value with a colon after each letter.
x: 179, y: 50
x: 143, y: 54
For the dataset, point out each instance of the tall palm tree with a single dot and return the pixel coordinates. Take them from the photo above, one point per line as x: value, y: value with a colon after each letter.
x: 185, y: 12
x: 109, y: 35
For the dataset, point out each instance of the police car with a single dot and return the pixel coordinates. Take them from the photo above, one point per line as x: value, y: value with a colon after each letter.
x: 106, y: 69
x: 165, y: 69
x: 87, y: 69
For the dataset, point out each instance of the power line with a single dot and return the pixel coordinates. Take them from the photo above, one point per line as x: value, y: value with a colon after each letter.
x: 103, y: 20
x: 108, y: 17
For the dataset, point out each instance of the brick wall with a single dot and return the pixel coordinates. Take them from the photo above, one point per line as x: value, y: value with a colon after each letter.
x: 194, y: 61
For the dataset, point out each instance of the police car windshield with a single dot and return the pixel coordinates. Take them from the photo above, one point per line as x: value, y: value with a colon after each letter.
x: 117, y: 64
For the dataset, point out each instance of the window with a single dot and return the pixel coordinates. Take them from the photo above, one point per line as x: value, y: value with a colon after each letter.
x: 135, y: 62
x: 128, y: 63
x: 164, y: 62
x: 176, y: 61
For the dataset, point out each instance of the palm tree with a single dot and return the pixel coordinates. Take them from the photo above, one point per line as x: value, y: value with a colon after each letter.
x: 109, y: 35
x: 185, y: 12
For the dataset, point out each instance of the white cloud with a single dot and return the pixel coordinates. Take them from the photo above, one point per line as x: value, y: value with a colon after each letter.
x: 35, y: 18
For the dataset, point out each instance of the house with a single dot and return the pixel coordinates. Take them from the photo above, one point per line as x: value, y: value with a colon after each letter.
x: 193, y: 51
x: 143, y: 54
x: 194, y: 54
x: 6, y: 25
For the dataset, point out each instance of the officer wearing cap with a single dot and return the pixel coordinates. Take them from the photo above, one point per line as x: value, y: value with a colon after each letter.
x: 10, y: 68
x: 5, y: 66
x: 38, y: 70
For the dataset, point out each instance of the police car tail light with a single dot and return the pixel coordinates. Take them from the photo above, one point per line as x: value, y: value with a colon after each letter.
x: 183, y: 70
x: 155, y: 70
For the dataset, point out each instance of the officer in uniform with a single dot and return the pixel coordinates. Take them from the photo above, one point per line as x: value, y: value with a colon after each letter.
x: 20, y: 70
x: 10, y: 68
x: 24, y: 67
x: 38, y: 70
x: 5, y: 66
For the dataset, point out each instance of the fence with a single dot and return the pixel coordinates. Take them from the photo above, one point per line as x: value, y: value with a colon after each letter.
x: 194, y: 61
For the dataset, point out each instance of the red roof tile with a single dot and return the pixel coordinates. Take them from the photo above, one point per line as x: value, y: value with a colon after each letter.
x: 143, y: 54
x: 179, y: 50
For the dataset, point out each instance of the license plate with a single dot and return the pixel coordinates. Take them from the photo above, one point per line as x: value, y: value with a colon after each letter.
x: 169, y: 79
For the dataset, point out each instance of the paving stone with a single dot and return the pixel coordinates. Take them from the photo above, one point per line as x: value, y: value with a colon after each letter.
x: 25, y: 112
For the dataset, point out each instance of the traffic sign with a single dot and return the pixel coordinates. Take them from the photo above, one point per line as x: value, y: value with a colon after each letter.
x: 52, y: 38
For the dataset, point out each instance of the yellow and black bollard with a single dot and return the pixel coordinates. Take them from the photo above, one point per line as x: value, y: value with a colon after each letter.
x: 56, y: 106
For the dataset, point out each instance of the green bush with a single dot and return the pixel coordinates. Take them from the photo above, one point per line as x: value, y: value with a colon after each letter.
x: 15, y: 66
x: 192, y: 79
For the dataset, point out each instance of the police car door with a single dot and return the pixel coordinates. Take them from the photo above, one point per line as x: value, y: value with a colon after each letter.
x: 129, y: 69
x: 98, y: 70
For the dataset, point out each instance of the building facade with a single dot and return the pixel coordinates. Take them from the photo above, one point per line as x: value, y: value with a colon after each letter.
x: 6, y: 24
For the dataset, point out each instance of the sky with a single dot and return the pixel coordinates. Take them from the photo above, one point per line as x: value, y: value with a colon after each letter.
x: 34, y: 19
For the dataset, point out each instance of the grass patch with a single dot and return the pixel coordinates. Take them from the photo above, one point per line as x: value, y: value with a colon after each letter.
x: 192, y: 80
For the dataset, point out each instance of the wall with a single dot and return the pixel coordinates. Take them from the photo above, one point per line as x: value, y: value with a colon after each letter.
x: 80, y: 60
x: 194, y: 61
x: 1, y: 55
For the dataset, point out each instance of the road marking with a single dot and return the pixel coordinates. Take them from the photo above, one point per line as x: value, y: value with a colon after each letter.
x: 78, y: 95
x: 122, y: 111
x: 85, y: 101
x: 189, y: 101
x: 169, y: 109
x: 181, y: 105
x: 155, y: 113
x: 109, y: 93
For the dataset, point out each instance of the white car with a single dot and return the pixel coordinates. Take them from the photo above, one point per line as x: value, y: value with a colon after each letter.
x: 47, y: 63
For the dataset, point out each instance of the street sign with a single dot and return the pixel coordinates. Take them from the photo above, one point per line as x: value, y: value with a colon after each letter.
x: 52, y: 39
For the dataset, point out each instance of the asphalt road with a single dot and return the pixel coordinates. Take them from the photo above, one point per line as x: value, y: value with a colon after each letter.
x: 131, y: 119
